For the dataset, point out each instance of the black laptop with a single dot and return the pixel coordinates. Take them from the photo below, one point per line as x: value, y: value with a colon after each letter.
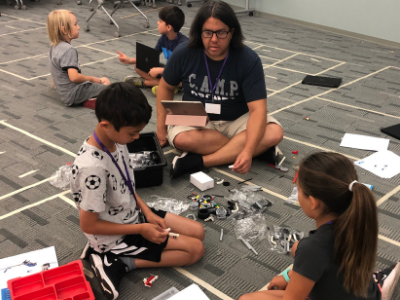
x: 146, y: 57
x: 393, y: 131
x: 322, y: 81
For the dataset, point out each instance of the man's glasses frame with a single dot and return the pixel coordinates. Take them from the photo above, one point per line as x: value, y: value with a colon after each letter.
x: 221, y: 34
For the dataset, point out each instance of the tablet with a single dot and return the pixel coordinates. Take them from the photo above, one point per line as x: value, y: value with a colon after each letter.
x: 185, y: 113
x: 322, y: 81
x: 393, y: 131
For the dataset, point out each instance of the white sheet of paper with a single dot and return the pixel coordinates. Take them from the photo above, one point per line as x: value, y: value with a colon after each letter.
x: 192, y: 292
x: 364, y: 142
x: 13, y: 267
x: 384, y: 164
x: 212, y: 108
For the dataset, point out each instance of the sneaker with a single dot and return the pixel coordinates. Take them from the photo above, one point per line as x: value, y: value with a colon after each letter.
x: 274, y: 157
x: 155, y: 89
x: 387, y: 279
x: 136, y: 80
x: 91, y: 103
x: 86, y: 252
x: 186, y: 163
x: 109, y: 271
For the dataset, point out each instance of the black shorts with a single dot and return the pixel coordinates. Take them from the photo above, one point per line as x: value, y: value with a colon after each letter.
x: 136, y: 246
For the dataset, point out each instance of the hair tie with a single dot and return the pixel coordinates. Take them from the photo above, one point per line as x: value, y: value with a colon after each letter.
x: 351, y: 185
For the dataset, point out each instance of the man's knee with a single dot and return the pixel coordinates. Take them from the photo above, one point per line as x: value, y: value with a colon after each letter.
x: 184, y: 141
x: 273, y: 134
x: 244, y: 297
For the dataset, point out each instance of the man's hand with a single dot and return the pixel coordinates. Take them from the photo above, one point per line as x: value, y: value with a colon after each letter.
x: 123, y: 58
x: 278, y: 282
x: 162, y: 136
x: 154, y: 72
x: 154, y: 233
x: 243, y: 162
x: 152, y: 218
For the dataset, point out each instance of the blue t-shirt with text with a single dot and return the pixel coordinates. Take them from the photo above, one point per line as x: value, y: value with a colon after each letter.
x: 242, y: 80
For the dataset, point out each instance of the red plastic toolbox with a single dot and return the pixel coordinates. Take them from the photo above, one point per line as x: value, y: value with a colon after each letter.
x: 63, y: 283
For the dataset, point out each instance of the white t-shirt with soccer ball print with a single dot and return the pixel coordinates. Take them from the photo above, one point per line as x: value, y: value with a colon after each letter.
x: 97, y: 186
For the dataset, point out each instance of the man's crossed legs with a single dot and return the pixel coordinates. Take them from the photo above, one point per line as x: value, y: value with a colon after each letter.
x: 219, y: 143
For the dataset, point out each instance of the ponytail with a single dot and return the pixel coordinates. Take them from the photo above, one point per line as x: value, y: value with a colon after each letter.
x: 330, y: 178
x: 356, y: 241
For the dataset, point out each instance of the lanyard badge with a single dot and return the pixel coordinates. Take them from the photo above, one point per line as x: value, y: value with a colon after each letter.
x: 126, y: 178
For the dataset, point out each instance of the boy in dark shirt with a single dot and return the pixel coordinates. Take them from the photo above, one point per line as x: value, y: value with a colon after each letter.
x: 171, y: 20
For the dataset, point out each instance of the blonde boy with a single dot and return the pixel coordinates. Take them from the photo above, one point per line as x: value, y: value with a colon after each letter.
x: 73, y: 87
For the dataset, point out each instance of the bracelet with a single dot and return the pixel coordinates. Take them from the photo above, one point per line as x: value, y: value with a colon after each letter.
x: 285, y: 275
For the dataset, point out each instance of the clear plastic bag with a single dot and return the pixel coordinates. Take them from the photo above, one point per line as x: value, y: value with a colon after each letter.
x: 168, y: 204
x: 251, y: 228
x: 294, y: 197
x: 281, y: 239
x: 142, y: 160
x: 62, y: 177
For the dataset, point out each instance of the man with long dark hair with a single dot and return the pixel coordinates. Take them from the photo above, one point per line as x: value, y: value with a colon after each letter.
x: 216, y: 68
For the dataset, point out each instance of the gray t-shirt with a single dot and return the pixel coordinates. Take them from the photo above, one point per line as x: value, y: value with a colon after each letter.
x: 64, y: 56
x: 97, y: 186
x: 314, y: 259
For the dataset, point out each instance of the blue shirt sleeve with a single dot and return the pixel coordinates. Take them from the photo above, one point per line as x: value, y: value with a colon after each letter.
x: 253, y: 84
x: 173, y: 70
x: 159, y: 44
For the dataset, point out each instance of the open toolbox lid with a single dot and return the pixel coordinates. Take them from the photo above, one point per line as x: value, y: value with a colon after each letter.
x: 67, y: 282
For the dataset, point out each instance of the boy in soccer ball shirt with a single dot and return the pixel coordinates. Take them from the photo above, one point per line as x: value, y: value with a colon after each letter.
x: 120, y: 238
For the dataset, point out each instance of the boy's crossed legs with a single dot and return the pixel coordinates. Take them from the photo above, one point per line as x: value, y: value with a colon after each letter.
x: 185, y: 250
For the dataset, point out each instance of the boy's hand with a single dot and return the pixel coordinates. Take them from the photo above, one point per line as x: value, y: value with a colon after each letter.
x: 123, y: 58
x: 105, y: 81
x: 154, y: 233
x: 278, y: 282
x: 152, y: 218
x: 154, y: 72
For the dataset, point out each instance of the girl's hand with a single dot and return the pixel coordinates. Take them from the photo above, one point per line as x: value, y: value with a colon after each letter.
x: 152, y: 218
x: 278, y: 283
x: 154, y: 233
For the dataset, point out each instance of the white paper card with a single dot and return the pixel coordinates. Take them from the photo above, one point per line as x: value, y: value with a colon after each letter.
x: 27, y: 264
x: 384, y: 164
x: 364, y: 142
x: 192, y: 292
x: 212, y: 108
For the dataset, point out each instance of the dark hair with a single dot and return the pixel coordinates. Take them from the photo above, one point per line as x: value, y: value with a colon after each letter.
x: 326, y: 177
x: 172, y: 15
x: 123, y: 104
x: 221, y: 11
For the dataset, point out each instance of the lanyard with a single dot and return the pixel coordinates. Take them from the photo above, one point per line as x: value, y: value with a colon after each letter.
x: 127, y: 179
x: 209, y: 76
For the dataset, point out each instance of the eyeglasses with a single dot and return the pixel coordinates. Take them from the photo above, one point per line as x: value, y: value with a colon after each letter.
x: 221, y: 34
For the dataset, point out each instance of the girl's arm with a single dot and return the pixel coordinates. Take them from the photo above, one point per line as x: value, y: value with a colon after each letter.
x: 299, y: 287
x: 76, y: 77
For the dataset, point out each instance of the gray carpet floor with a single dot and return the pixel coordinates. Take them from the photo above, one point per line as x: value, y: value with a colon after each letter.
x: 39, y: 133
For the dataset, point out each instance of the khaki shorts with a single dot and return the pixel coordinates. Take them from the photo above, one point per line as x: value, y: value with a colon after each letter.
x: 227, y: 128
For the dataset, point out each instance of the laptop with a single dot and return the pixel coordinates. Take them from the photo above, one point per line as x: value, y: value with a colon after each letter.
x: 322, y: 81
x: 393, y: 131
x: 185, y: 113
x: 146, y: 57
